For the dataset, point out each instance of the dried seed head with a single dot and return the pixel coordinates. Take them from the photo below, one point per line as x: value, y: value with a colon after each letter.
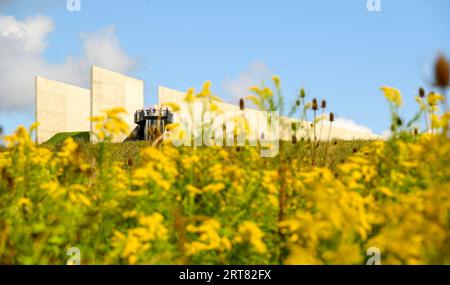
x: 294, y: 139
x: 399, y: 121
x: 324, y: 104
x: 130, y: 162
x: 241, y: 104
x: 416, y: 131
x: 90, y: 172
x: 315, y: 106
x: 302, y: 93
x: 441, y: 72
x: 331, y: 117
x: 421, y: 92
x: 355, y: 150
x: 297, y: 102
x: 294, y: 126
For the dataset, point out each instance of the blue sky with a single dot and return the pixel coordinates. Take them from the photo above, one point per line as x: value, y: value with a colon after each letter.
x: 335, y: 49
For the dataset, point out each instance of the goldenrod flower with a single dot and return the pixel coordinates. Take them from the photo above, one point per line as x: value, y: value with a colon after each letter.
x: 24, y: 202
x: 251, y: 233
x: 276, y: 81
x: 393, y: 95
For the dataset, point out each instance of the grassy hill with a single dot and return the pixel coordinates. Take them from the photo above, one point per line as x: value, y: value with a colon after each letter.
x: 76, y: 136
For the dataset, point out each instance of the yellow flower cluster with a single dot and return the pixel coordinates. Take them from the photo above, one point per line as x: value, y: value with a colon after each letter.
x: 392, y: 95
x: 110, y: 124
x: 208, y: 238
x: 138, y: 240
x: 250, y: 232
x: 133, y: 203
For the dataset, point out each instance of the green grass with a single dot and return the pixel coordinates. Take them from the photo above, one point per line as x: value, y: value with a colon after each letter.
x: 129, y: 153
x: 76, y: 136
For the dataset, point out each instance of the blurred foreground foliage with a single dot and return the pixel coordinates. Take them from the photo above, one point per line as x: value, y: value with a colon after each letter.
x: 315, y: 203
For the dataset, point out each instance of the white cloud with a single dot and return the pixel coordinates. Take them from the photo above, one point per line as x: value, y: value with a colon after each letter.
x: 351, y: 125
x: 237, y: 88
x: 22, y: 44
x: 345, y: 123
x: 386, y: 134
x: 103, y: 48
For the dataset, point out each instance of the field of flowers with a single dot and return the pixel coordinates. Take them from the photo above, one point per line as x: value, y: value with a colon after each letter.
x: 314, y: 203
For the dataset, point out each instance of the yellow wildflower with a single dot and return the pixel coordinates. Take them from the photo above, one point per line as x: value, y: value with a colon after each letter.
x: 276, y: 81
x: 393, y: 95
x: 251, y: 233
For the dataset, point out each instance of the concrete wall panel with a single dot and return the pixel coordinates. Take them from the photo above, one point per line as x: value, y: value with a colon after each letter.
x: 110, y: 89
x: 167, y: 95
x: 65, y: 108
x: 253, y: 116
x: 60, y: 108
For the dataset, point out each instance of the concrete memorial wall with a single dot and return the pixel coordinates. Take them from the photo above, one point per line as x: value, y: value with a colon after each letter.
x: 167, y: 95
x: 110, y: 89
x: 60, y: 108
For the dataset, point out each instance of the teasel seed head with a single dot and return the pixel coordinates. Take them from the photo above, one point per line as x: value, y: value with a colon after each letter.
x: 315, y: 106
x: 302, y: 93
x: 323, y: 104
x: 294, y: 139
x: 130, y: 162
x: 241, y: 104
x: 441, y: 72
x: 294, y: 126
x: 421, y: 92
x: 355, y: 150
x: 331, y: 117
